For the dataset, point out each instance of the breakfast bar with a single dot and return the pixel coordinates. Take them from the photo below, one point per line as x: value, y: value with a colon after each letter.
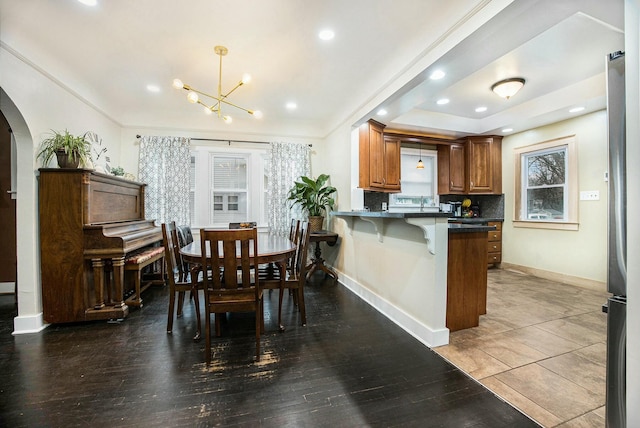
x: 398, y: 263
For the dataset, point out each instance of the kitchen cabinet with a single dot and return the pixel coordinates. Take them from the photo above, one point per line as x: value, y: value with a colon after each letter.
x: 379, y: 159
x: 494, y: 250
x: 451, y: 169
x: 470, y: 166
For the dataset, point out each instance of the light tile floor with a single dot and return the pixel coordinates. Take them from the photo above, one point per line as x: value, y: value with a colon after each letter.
x: 541, y: 347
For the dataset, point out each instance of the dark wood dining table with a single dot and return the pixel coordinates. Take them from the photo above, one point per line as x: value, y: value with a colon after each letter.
x: 272, y: 249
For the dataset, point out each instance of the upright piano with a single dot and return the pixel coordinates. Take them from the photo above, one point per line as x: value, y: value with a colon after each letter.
x: 89, y: 223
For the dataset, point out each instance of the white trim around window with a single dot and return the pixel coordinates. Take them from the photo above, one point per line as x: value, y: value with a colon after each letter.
x: 567, y: 219
x: 244, y: 194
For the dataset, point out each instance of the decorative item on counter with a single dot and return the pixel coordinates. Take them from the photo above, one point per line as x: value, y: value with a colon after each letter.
x: 466, y: 208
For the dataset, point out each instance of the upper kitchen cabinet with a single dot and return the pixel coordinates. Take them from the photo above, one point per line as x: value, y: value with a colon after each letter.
x: 379, y: 159
x: 471, y: 166
x: 484, y: 165
x: 451, y: 169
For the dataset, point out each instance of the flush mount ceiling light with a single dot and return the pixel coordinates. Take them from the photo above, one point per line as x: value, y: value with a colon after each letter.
x: 216, y: 107
x: 508, y: 87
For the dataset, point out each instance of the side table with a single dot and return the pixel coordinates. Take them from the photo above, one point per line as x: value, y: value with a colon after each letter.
x: 317, y: 262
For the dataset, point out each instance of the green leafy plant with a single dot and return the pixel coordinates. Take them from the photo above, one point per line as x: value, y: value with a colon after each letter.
x: 76, y: 147
x: 119, y: 171
x: 314, y: 196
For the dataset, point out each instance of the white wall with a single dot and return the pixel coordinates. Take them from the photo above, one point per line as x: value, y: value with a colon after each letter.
x: 34, y: 105
x: 581, y: 253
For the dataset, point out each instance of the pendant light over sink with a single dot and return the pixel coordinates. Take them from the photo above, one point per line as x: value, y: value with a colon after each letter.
x: 420, y: 164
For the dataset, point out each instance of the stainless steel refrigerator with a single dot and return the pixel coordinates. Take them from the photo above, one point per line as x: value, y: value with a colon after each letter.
x: 616, y: 306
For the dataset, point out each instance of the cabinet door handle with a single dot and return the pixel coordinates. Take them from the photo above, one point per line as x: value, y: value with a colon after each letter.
x: 472, y: 184
x: 451, y: 183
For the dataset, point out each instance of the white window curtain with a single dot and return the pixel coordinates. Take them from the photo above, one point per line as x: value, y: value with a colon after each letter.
x: 286, y: 162
x: 164, y: 165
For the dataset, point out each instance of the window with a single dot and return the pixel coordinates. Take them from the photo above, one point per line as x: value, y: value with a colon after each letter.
x: 546, y: 185
x: 418, y: 185
x: 227, y: 186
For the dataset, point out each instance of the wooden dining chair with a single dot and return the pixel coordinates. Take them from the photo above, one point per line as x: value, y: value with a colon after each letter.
x: 179, y: 282
x: 295, y: 278
x: 234, y: 285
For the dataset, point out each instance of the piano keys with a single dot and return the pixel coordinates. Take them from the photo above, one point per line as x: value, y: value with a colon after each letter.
x: 89, y: 222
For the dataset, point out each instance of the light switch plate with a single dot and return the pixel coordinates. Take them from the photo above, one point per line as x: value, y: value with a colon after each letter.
x: 590, y: 195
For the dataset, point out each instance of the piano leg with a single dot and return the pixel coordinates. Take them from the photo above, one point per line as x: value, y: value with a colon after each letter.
x: 118, y: 279
x: 98, y: 282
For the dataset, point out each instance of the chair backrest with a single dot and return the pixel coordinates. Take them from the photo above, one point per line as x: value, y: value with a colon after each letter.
x: 303, y: 247
x: 243, y: 225
x: 232, y: 254
x: 294, y: 230
x: 185, y: 237
x: 171, y: 251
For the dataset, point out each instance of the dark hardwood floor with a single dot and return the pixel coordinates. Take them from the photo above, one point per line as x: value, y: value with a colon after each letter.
x: 349, y: 367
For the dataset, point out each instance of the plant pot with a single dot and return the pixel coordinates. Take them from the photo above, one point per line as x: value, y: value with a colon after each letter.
x: 66, y: 161
x: 315, y: 223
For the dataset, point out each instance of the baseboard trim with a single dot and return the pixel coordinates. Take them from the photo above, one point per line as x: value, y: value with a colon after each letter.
x: 7, y: 287
x: 588, y: 284
x: 423, y: 333
x: 28, y: 324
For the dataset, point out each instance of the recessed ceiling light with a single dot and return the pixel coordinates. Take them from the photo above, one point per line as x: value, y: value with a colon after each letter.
x: 382, y: 112
x: 437, y: 74
x: 326, y: 34
x: 507, y: 130
x: 481, y: 109
x: 89, y: 2
x: 291, y: 105
x: 576, y: 109
x: 443, y: 101
x: 153, y: 88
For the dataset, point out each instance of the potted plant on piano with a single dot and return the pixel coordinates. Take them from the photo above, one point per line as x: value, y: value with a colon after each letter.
x: 314, y: 196
x: 70, y: 150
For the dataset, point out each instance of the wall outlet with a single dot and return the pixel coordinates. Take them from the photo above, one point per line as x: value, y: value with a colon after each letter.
x: 590, y: 195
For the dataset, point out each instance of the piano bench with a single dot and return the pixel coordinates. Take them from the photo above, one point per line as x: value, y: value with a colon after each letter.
x: 136, y: 263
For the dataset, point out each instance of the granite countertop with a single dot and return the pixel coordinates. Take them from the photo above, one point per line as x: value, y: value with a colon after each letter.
x: 473, y: 220
x: 386, y: 214
x: 469, y: 228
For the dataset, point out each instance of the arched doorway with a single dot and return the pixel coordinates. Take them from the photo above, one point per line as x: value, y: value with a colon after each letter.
x: 29, y: 293
x: 8, y: 259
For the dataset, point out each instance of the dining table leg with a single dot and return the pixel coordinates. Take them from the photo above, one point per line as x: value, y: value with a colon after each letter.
x: 282, y: 267
x: 195, y: 271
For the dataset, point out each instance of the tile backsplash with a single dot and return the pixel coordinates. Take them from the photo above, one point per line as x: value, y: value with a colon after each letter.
x: 491, y: 206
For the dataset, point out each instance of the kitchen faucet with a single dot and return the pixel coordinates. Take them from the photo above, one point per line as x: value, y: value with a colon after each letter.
x: 421, y: 203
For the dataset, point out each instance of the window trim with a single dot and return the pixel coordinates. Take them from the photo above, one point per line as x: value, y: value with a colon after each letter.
x: 571, y: 222
x: 256, y: 158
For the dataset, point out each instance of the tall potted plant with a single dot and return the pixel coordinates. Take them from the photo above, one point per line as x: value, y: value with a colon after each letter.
x: 314, y: 197
x: 70, y: 150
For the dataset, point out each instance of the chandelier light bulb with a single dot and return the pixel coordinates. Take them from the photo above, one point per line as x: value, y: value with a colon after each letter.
x: 257, y: 114
x: 221, y: 98
x: 192, y: 97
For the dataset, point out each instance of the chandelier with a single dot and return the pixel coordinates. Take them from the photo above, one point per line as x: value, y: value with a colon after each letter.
x: 221, y: 98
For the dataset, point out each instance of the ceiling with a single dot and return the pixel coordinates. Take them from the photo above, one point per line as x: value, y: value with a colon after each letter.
x: 382, y: 55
